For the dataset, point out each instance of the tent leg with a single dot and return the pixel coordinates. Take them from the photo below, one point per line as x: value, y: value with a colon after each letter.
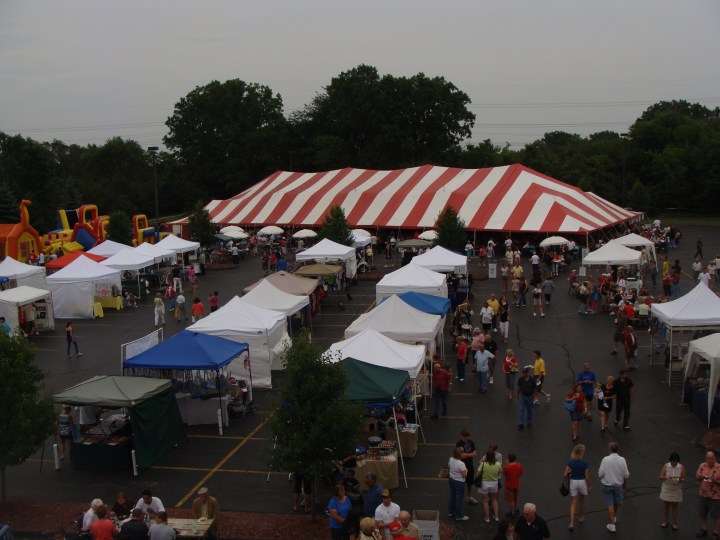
x: 402, y: 461
x: 221, y: 413
x: 417, y: 416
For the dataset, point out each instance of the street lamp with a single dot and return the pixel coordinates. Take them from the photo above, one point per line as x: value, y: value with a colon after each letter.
x: 153, y: 153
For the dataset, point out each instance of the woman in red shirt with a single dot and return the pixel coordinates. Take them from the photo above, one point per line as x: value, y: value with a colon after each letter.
x: 510, y: 369
x: 576, y: 414
x: 198, y: 309
x: 512, y: 471
x: 462, y: 348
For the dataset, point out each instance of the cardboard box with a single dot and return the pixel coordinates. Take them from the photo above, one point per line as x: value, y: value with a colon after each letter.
x: 428, y: 521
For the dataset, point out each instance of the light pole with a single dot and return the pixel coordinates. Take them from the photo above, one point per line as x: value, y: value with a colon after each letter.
x: 153, y: 154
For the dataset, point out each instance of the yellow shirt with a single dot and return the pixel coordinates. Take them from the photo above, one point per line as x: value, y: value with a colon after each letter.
x: 517, y: 271
x: 539, y: 367
x: 494, y: 305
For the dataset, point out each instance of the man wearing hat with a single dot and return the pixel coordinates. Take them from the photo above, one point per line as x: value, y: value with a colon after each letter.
x: 135, y: 528
x: 387, y: 513
x: 207, y: 508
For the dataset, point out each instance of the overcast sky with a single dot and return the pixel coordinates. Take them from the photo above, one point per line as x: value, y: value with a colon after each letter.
x: 84, y: 71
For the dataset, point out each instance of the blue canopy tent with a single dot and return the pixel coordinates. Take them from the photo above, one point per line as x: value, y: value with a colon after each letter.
x: 187, y: 351
x: 427, y: 303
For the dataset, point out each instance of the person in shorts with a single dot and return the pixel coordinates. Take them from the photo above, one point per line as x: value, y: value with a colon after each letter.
x: 708, y: 474
x: 613, y: 473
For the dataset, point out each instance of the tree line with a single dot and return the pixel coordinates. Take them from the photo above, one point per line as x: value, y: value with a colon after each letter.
x: 224, y: 137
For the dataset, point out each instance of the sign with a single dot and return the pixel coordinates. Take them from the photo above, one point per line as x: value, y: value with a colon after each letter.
x: 492, y: 270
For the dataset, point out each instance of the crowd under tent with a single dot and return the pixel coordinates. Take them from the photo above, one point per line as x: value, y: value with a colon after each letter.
x: 287, y: 282
x: 705, y: 349
x: 154, y: 414
x: 178, y: 245
x: 264, y: 330
x: 412, y: 277
x: 440, y: 259
x: 108, y: 248
x: 23, y: 274
x: 75, y: 287
x: 180, y: 357
x: 15, y: 299
x: 699, y: 309
x: 327, y: 250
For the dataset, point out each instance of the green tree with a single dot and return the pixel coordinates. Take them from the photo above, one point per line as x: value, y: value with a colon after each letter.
x: 201, y: 228
x: 228, y: 135
x: 365, y: 120
x: 120, y: 228
x: 73, y: 198
x: 450, y: 228
x: 9, y: 204
x: 315, y: 423
x: 26, y: 415
x: 334, y: 227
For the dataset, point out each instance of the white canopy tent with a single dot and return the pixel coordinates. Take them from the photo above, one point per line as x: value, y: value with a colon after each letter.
x: 178, y: 245
x: 428, y: 235
x: 268, y: 296
x: 23, y: 274
x: 75, y: 287
x: 108, y: 248
x: 399, y: 321
x: 706, y: 348
x: 13, y: 300
x: 635, y: 240
x: 612, y: 253
x: 360, y: 240
x: 128, y: 259
x: 264, y: 330
x: 440, y: 259
x: 554, y: 241
x: 412, y: 277
x: 327, y: 250
x: 155, y: 251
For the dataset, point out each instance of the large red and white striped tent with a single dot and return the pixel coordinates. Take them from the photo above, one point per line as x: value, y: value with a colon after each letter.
x: 510, y: 198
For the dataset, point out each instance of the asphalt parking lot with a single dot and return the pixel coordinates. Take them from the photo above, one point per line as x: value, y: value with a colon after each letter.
x: 235, y: 466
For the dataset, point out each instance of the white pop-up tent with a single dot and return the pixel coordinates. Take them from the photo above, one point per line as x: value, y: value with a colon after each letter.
x: 128, y: 259
x: 75, y: 287
x: 23, y: 274
x: 287, y: 282
x: 13, y: 300
x: 440, y: 259
x: 327, y: 250
x: 635, y: 240
x: 178, y: 245
x: 612, y: 253
x: 155, y: 251
x: 108, y: 248
x: 399, y: 321
x: 360, y: 240
x: 266, y: 295
x: 264, y: 330
x: 412, y: 277
x: 708, y: 349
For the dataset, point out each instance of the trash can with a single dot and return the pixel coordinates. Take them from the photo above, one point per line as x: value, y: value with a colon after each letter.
x: 428, y: 521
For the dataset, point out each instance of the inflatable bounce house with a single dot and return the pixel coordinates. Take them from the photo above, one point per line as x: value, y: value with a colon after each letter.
x: 78, y: 230
x: 142, y: 232
x: 19, y: 240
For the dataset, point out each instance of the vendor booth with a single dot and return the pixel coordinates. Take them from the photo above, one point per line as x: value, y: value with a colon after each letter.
x: 108, y: 248
x: 150, y: 424
x: 13, y: 301
x: 76, y: 287
x: 155, y: 251
x: 130, y: 262
x: 439, y: 259
x: 702, y: 375
x: 178, y: 245
x: 23, y: 274
x: 267, y: 296
x: 635, y: 240
x: 612, y: 254
x: 699, y: 309
x: 264, y: 330
x: 425, y: 302
x: 378, y: 388
x: 327, y: 250
x: 195, y: 363
x: 412, y: 278
x: 287, y: 282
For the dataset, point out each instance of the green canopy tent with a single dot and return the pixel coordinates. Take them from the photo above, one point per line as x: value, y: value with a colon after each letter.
x: 377, y: 386
x: 154, y: 413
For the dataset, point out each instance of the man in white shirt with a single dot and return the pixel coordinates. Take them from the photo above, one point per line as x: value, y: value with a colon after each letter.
x: 613, y: 473
x: 90, y: 515
x: 386, y: 513
x: 704, y: 277
x: 149, y: 504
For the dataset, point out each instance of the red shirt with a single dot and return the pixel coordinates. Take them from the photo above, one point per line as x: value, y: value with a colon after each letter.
x: 198, y: 308
x: 462, y: 350
x: 512, y: 473
x: 441, y: 380
x: 630, y: 342
x: 103, y: 529
x: 579, y: 401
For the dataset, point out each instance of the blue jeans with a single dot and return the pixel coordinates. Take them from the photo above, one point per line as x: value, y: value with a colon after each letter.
x: 675, y: 290
x: 523, y: 302
x: 483, y: 380
x: 440, y: 397
x: 457, y: 497
x: 460, y: 369
x: 526, y: 404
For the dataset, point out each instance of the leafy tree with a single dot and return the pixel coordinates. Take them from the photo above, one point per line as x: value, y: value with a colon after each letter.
x: 334, y: 227
x: 26, y: 416
x: 201, y: 228
x: 73, y: 198
x: 228, y: 135
x: 314, y: 423
x: 9, y: 204
x: 450, y: 230
x: 638, y: 197
x: 120, y: 228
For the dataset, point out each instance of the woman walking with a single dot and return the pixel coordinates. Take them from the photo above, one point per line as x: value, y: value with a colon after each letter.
x: 672, y: 476
x: 489, y: 473
x: 605, y: 395
x: 575, y: 404
x: 64, y: 427
x: 461, y: 357
x: 70, y: 337
x: 339, y: 508
x: 504, y: 320
x: 457, y: 471
x: 197, y: 309
x: 510, y: 369
x: 159, y: 309
x: 578, y: 470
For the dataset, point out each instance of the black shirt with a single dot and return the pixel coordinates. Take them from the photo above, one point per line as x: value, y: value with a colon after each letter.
x: 468, y: 448
x: 623, y: 389
x: 537, y: 530
x: 527, y: 387
x: 134, y: 530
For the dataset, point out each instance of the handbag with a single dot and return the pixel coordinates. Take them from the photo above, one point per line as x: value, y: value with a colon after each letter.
x: 571, y: 406
x: 565, y: 486
x: 478, y: 478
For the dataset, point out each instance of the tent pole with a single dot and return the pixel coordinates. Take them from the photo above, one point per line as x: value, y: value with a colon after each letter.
x: 220, y: 404
x: 397, y: 434
x: 250, y: 391
x: 417, y: 413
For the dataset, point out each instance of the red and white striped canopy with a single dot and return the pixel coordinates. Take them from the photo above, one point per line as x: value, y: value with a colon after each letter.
x: 511, y: 198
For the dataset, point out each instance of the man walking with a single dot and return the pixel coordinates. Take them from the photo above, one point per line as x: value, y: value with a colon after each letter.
x: 469, y: 452
x: 482, y: 362
x: 441, y: 384
x: 631, y: 345
x: 587, y: 380
x: 530, y: 526
x: 625, y: 396
x: 613, y: 473
x: 540, y: 373
x: 708, y: 474
x: 526, y: 394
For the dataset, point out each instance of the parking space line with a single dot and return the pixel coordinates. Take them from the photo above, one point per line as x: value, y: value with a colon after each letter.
x: 227, y: 438
x: 222, y: 462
